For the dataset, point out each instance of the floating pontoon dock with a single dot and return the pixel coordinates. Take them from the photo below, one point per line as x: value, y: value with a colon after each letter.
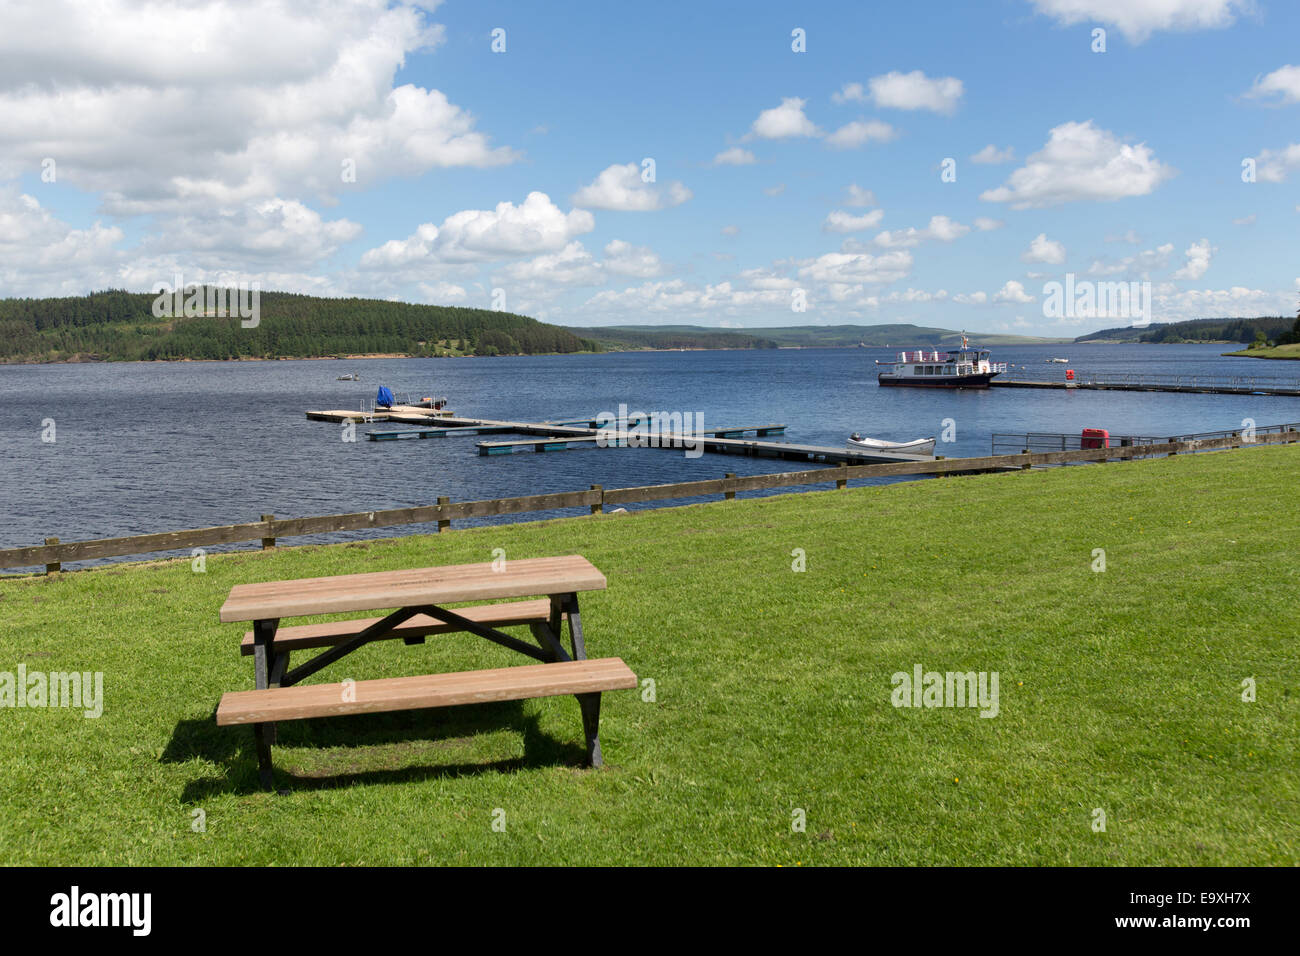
x: 1190, y: 384
x: 585, y: 433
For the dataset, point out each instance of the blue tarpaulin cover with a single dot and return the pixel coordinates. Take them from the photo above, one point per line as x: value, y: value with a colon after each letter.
x: 385, y: 397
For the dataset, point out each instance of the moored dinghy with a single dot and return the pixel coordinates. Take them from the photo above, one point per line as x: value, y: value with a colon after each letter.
x: 919, y: 446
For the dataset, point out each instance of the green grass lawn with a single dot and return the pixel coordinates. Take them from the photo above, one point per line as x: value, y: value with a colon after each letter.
x: 1119, y: 690
x: 1276, y: 352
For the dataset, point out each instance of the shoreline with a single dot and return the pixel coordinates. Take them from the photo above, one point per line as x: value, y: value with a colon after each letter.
x: 368, y: 356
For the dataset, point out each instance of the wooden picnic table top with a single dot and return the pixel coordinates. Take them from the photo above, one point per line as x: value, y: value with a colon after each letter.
x: 525, y: 577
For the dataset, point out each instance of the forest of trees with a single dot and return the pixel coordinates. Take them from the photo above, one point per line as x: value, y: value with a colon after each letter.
x: 625, y: 338
x: 116, y: 325
x: 1219, y: 330
x: 1197, y: 330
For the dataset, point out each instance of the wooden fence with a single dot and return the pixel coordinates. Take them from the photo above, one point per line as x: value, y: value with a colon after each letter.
x: 54, y: 553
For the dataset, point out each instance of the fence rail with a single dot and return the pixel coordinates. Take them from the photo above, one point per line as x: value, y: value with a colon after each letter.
x: 54, y: 553
x: 1010, y: 442
x: 1138, y: 379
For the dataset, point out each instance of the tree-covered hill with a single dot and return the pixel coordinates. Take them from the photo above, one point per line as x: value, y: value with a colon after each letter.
x: 1196, y: 330
x: 116, y: 325
x: 672, y: 337
x: 795, y: 336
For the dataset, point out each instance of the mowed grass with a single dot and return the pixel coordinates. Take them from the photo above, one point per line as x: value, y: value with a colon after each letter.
x: 1120, y: 691
x: 1291, y: 351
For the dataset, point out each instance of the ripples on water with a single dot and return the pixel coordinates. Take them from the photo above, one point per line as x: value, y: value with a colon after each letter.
x: 163, y: 446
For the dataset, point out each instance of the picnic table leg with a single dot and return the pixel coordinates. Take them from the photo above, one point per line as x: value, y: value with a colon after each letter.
x: 268, y: 669
x: 262, y: 734
x: 570, y: 602
x: 589, y: 703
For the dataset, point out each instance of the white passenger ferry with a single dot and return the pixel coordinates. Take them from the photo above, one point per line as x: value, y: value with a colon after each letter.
x: 965, y: 367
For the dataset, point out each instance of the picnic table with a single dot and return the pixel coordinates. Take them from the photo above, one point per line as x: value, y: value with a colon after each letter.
x: 419, y: 596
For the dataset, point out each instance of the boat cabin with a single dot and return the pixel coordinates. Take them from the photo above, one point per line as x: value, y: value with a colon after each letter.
x: 964, y: 367
x: 960, y: 362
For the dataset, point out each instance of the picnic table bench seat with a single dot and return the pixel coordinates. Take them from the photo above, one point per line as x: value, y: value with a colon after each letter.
x: 419, y: 597
x: 432, y: 690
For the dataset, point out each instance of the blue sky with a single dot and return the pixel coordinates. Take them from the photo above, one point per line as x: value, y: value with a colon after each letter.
x: 385, y: 149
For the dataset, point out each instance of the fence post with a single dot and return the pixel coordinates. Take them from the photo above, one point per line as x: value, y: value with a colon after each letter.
x: 268, y: 543
x: 729, y: 495
x: 57, y: 566
x: 598, y: 507
x: 1173, y: 441
x: 443, y: 522
x: 1025, y: 466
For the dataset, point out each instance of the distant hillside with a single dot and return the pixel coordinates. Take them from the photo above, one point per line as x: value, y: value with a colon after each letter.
x: 672, y: 337
x: 798, y: 336
x: 1196, y: 330
x: 120, y: 326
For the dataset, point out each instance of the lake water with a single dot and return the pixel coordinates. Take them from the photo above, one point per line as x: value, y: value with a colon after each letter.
x: 148, y: 447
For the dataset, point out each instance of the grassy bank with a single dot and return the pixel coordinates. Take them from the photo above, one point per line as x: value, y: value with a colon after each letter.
x: 1291, y: 351
x: 1119, y: 690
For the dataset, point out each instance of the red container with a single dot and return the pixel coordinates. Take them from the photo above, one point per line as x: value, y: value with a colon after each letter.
x: 1094, y: 438
x: 1069, y: 375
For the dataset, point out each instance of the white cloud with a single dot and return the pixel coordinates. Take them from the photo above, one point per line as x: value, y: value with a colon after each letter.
x: 916, y: 91
x: 985, y: 224
x: 676, y: 297
x: 539, y: 281
x: 1081, y: 162
x: 971, y: 298
x: 784, y: 121
x: 571, y: 266
x: 131, y: 110
x: 1171, y: 305
x: 1245, y: 220
x: 990, y: 155
x: 1274, y: 166
x: 858, y: 197
x: 621, y: 188
x: 734, y: 157
x: 1142, y: 264
x: 273, y: 230
x: 1137, y: 19
x: 477, y: 235
x: 850, y: 93
x: 1012, y: 291
x: 914, y: 295
x: 767, y: 280
x: 623, y: 258
x: 731, y: 230
x: 440, y: 293
x: 843, y: 267
x: 774, y: 190
x: 1198, y: 260
x: 940, y: 228
x: 41, y: 255
x: 840, y: 221
x: 1130, y: 236
x: 860, y: 132
x: 1281, y: 86
x: 1042, y: 249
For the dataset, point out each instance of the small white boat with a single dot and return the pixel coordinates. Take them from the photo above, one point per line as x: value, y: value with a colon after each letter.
x: 920, y: 446
x: 350, y: 377
x: 1059, y: 361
